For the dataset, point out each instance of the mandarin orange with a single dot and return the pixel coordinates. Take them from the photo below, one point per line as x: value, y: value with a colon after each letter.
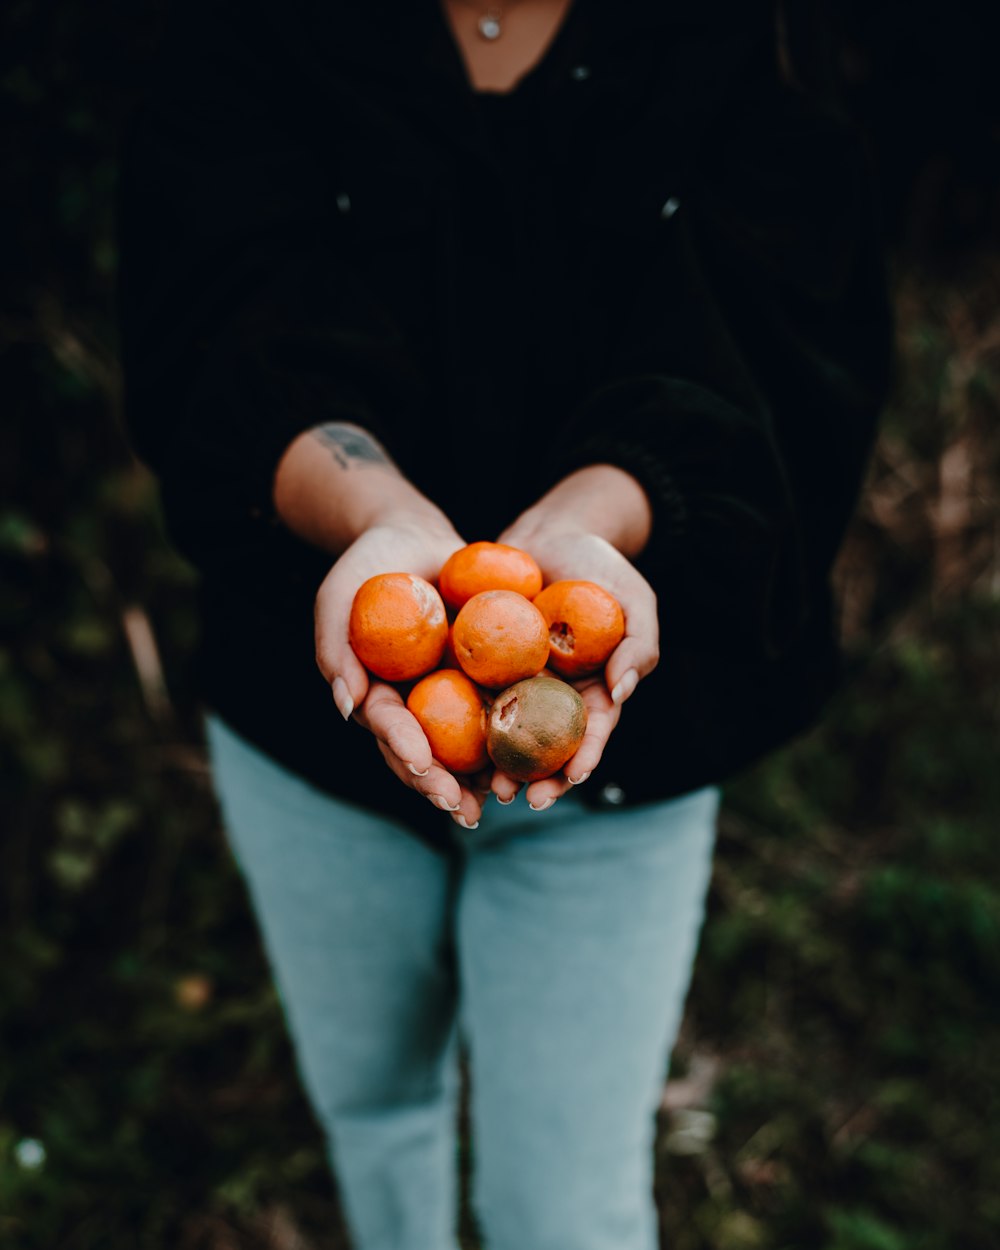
x: 488, y: 566
x: 452, y: 713
x: 500, y: 637
x: 398, y: 626
x: 585, y: 623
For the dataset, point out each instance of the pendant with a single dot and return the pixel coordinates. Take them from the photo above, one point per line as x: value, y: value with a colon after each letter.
x: 489, y: 24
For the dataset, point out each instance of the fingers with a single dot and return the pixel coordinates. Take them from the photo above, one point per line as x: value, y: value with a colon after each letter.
x: 335, y: 658
x: 505, y: 788
x: 470, y: 809
x: 587, y: 757
x: 384, y: 714
x: 480, y: 785
x: 602, y: 716
x: 405, y: 748
x: 439, y: 787
x: 638, y: 653
x: 407, y: 752
x: 542, y: 794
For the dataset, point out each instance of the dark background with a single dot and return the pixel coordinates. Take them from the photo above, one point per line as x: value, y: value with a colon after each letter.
x: 837, y: 1081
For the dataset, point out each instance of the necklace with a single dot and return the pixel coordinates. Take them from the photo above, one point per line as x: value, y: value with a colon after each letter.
x: 490, y: 23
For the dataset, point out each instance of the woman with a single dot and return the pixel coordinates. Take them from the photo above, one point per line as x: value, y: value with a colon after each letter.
x: 592, y: 281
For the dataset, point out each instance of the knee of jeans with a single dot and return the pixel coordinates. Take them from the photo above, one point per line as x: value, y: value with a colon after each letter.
x: 552, y: 1208
x: 401, y: 1086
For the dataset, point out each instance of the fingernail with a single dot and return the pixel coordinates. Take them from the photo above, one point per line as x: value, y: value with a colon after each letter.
x: 439, y: 801
x: 578, y: 781
x: 342, y: 698
x: 541, y: 806
x: 506, y: 802
x: 416, y: 771
x: 460, y: 820
x: 625, y: 686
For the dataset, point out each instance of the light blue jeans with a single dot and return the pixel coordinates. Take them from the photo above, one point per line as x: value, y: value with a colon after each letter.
x: 558, y: 945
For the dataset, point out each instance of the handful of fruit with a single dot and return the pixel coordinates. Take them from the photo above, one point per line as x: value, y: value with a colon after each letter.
x: 487, y: 687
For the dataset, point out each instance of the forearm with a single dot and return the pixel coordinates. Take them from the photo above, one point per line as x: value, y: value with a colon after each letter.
x: 336, y: 481
x: 600, y: 499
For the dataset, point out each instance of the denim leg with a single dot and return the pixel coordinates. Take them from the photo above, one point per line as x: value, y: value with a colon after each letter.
x: 577, y: 932
x: 355, y: 915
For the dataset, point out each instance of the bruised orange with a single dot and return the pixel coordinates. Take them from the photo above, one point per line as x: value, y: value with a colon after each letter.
x: 534, y: 727
x: 398, y: 626
x: 585, y: 623
x: 488, y: 566
x: 500, y: 637
x: 452, y: 713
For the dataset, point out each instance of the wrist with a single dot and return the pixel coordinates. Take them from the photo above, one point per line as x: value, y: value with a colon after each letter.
x: 335, y: 482
x: 599, y: 499
x: 416, y: 517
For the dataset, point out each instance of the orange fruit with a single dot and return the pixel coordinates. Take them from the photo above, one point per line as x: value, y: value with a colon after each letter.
x: 398, y: 627
x: 585, y: 624
x: 488, y: 566
x: 500, y: 637
x: 534, y: 727
x: 452, y: 713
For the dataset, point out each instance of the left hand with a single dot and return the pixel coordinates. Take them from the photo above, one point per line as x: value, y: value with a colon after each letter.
x: 564, y: 549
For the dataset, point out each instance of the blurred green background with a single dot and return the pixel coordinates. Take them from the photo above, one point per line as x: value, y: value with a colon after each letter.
x: 837, y: 1081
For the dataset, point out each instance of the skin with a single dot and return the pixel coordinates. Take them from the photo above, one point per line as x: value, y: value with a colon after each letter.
x: 529, y: 26
x: 336, y: 488
x: 591, y: 525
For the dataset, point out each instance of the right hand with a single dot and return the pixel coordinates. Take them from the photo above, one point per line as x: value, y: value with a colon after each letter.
x: 400, y: 543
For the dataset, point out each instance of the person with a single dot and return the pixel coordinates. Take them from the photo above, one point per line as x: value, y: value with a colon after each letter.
x: 591, y: 279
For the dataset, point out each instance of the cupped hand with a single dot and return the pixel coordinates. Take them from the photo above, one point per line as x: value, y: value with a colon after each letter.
x: 403, y: 545
x: 568, y: 551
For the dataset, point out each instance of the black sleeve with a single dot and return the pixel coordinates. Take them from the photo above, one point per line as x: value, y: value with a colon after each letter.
x: 753, y: 454
x: 239, y: 324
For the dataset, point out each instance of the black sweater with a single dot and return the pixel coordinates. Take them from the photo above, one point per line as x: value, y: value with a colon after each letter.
x: 653, y: 254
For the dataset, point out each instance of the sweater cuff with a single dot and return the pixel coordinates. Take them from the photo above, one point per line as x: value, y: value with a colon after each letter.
x: 646, y: 426
x: 721, y: 546
x: 669, y: 511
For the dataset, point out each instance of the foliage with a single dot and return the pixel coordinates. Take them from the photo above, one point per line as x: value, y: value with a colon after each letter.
x: 836, y: 1081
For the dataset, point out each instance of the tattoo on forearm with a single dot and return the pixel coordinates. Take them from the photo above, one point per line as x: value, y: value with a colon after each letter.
x: 350, y: 447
